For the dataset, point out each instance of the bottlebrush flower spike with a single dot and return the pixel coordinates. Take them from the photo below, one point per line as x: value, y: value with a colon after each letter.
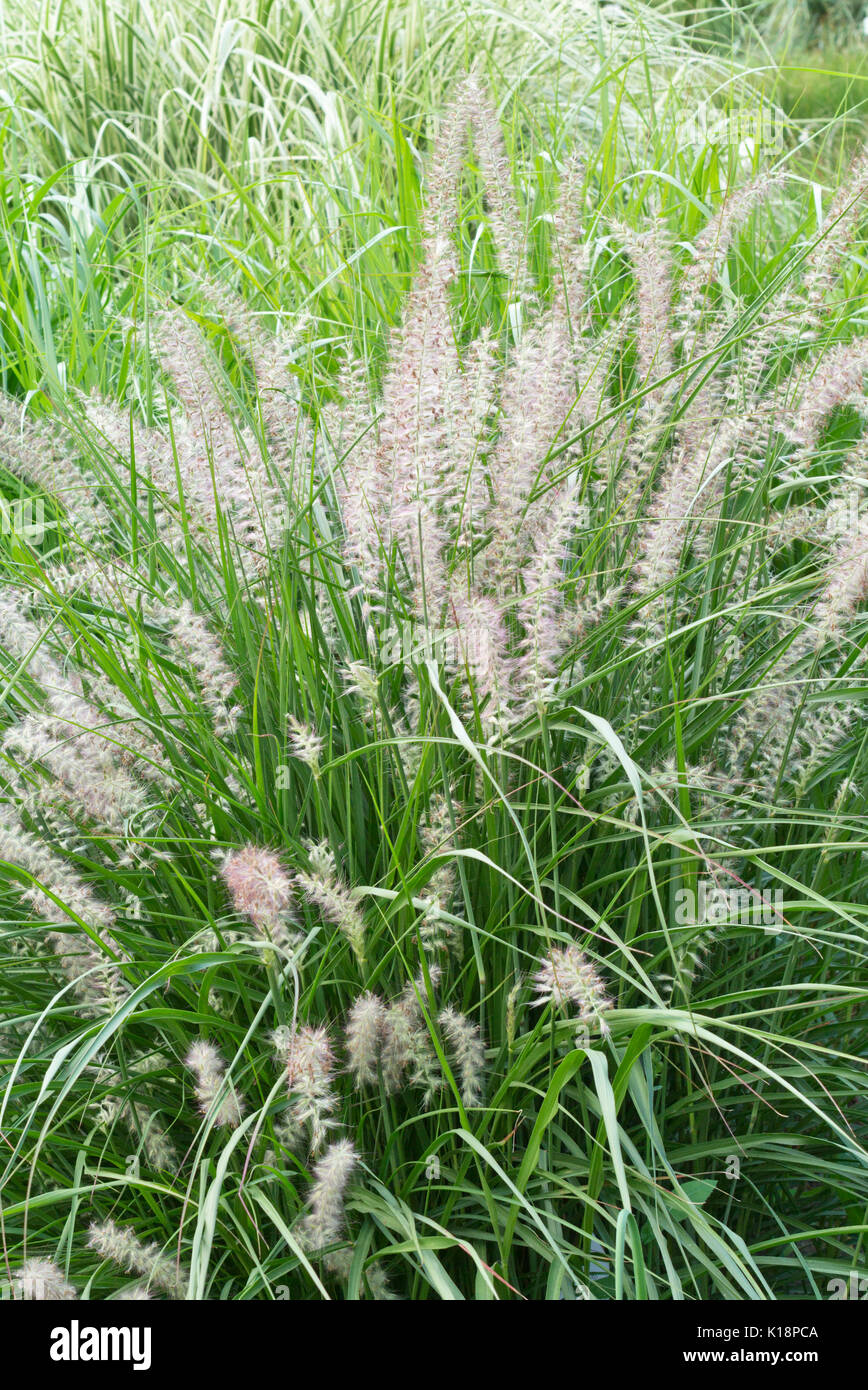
x: 542, y: 608
x: 359, y: 480
x: 688, y: 495
x: 74, y: 740
x: 436, y: 933
x: 214, y: 459
x: 413, y: 431
x: 209, y: 1069
x: 87, y: 964
x: 207, y: 472
x: 407, y: 1044
x: 464, y: 1041
x: 121, y: 1245
x: 63, y: 691
x: 570, y: 252
x: 653, y: 269
x: 35, y: 450
x: 261, y: 889
x: 538, y: 400
x: 310, y: 1064
x: 41, y: 1281
x: 834, y: 379
x: 793, y: 313
x: 309, y: 1056
x: 129, y: 439
x: 464, y: 475
x: 366, y: 1031
x: 184, y: 355
x: 305, y: 743
x: 84, y: 773
x: 337, y: 903
x: 710, y: 250
x: 845, y: 585
x: 446, y: 165
x: 324, y: 1223
x: 568, y: 980
x: 766, y: 725
x: 195, y: 644
x: 287, y: 429
x: 504, y: 219
x: 840, y: 224
x: 481, y: 649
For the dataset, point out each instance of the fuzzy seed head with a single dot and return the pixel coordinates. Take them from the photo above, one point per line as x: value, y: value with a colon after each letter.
x: 41, y: 1281
x: 568, y: 980
x: 260, y: 888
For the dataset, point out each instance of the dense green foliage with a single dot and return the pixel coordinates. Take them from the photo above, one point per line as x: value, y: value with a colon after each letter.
x: 261, y: 175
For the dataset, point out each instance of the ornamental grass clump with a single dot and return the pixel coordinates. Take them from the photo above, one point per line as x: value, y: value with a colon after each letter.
x: 378, y: 694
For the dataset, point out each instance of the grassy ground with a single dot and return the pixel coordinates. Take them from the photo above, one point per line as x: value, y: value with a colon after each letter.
x: 529, y: 965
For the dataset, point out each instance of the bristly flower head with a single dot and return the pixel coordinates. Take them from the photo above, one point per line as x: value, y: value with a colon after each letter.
x: 121, y: 1245
x: 366, y: 1031
x: 309, y: 1057
x: 310, y: 1064
x: 407, y: 1041
x: 305, y: 744
x: 566, y: 978
x: 261, y: 889
x: 209, y: 1069
x: 465, y: 1043
x: 324, y: 1223
x: 41, y: 1281
x: 91, y: 971
x: 337, y: 903
x: 194, y: 642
